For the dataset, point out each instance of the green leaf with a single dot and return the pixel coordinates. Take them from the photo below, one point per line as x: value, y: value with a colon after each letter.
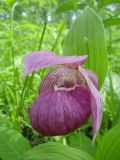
x: 66, y: 5
x: 116, y: 119
x: 55, y: 151
x: 112, y: 22
x: 106, y: 2
x: 10, y: 2
x: 12, y: 145
x: 5, y: 122
x: 112, y: 95
x: 82, y: 142
x: 116, y: 82
x: 109, y: 148
x: 86, y: 36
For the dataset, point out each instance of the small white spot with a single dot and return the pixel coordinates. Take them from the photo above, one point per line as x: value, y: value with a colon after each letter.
x: 85, y: 39
x: 56, y: 88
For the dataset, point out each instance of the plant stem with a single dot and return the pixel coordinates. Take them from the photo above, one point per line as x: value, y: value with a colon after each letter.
x: 59, y: 34
x: 43, y: 33
x: 39, y: 48
x: 12, y: 51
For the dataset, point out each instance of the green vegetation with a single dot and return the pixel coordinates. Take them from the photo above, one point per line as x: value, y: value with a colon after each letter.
x: 27, y: 26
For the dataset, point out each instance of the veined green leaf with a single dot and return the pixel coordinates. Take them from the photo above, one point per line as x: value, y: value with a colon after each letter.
x: 106, y: 2
x: 12, y: 145
x: 55, y: 151
x: 112, y: 22
x: 86, y: 36
x: 109, y: 148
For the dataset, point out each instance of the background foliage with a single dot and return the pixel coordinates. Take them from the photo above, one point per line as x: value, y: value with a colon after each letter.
x: 27, y: 26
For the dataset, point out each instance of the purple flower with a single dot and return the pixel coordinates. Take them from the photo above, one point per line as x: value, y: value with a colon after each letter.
x: 68, y: 94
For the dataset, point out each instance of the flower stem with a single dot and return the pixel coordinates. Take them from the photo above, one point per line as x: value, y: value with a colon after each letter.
x: 43, y: 33
x: 59, y: 34
x: 12, y: 50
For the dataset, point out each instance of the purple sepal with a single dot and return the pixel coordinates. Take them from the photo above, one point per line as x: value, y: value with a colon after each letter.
x: 43, y: 59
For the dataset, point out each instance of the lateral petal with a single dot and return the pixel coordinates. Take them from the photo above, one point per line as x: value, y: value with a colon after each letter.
x: 93, y: 78
x: 96, y: 102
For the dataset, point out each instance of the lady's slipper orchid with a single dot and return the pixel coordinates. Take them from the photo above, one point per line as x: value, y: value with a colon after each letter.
x: 68, y: 94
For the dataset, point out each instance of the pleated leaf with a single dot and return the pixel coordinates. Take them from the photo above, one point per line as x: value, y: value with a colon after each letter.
x: 12, y: 144
x: 66, y: 5
x: 112, y: 22
x: 109, y: 148
x: 55, y: 151
x: 106, y: 2
x: 86, y: 36
x: 82, y: 142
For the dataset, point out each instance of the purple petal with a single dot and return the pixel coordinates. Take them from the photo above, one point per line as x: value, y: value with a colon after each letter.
x: 62, y: 76
x: 96, y: 102
x: 60, y: 112
x: 52, y: 78
x: 42, y: 59
x: 93, y: 78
